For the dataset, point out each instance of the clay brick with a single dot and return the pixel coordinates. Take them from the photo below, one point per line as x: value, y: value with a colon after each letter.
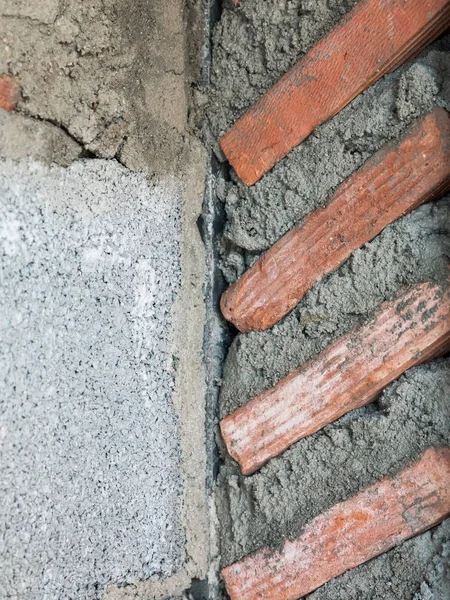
x: 393, y: 182
x: 372, y: 40
x: 346, y: 375
x: 348, y: 534
x: 9, y: 92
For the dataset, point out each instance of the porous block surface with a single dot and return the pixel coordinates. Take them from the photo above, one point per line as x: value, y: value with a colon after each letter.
x: 90, y: 474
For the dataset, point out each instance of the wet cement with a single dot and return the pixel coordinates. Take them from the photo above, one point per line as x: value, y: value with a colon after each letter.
x: 413, y: 249
x: 412, y: 414
x: 257, y: 216
x: 335, y: 463
x: 254, y: 46
x: 419, y: 569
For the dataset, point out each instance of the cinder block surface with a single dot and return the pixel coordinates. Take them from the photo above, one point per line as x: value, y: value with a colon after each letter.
x: 91, y: 470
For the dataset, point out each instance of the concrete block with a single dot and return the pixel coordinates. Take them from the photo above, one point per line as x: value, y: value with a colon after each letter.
x: 96, y: 467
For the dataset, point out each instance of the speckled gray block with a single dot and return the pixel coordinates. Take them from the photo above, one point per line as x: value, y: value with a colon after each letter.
x: 90, y: 474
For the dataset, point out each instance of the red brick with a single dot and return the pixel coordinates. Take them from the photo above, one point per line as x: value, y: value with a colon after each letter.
x: 393, y: 182
x: 348, y: 534
x: 9, y: 92
x: 346, y: 375
x: 372, y: 40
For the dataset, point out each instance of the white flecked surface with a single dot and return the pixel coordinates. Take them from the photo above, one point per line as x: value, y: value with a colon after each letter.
x: 90, y: 471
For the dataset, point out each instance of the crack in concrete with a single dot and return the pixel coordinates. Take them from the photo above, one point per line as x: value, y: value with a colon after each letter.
x: 85, y: 153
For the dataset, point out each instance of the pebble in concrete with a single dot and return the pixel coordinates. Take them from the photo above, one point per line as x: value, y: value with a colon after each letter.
x: 90, y: 479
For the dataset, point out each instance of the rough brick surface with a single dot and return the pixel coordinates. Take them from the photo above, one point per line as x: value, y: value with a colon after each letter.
x: 393, y: 182
x: 346, y: 375
x: 373, y: 39
x: 348, y: 534
x: 9, y: 92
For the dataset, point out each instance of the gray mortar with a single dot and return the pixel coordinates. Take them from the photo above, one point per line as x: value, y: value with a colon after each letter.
x: 253, y: 46
x: 112, y: 73
x: 256, y: 44
x: 418, y: 569
x: 413, y: 249
x: 436, y: 584
x: 90, y: 475
x: 305, y: 179
x: 359, y: 449
x: 364, y: 445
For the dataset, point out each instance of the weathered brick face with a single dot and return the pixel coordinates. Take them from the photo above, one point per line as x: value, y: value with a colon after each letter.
x: 346, y: 375
x: 9, y: 92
